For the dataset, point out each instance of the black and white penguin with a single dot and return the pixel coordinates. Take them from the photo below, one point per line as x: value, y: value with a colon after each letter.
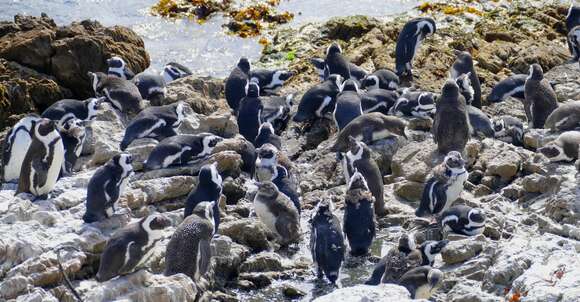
x: 574, y: 42
x: 16, y: 145
x: 348, y: 104
x: 572, y: 20
x: 118, y: 68
x: 181, y: 149
x: 359, y: 216
x: 209, y: 188
x: 409, y: 41
x: 319, y: 100
x: 267, y: 135
x: 358, y: 158
x: 464, y: 65
x: 564, y: 148
x: 189, y: 250
x: 269, y: 169
x: 369, y: 128
x: 250, y: 112
x: 463, y: 220
x: 414, y: 103
x: 287, y: 185
x: 356, y: 72
x: 465, y: 87
x: 106, y: 186
x: 565, y: 117
x: 157, y: 122
x: 509, y: 129
x: 278, y: 213
x: 173, y: 71
x: 422, y: 282
x: 151, y: 86
x: 68, y: 109
x: 481, y: 124
x: 383, y: 79
x: 335, y: 62
x: 235, y: 86
x: 270, y: 81
x: 326, y: 241
x: 429, y: 250
x: 125, y: 250
x: 451, y: 125
x: 43, y: 160
x: 512, y: 86
x: 73, y: 135
x: 444, y: 187
x: 396, y: 262
x: 378, y: 100
x: 277, y: 111
x: 121, y: 93
x: 540, y: 97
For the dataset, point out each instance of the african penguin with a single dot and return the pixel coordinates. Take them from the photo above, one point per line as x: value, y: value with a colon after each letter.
x: 564, y: 148
x: 68, y: 109
x: 267, y: 135
x: 359, y: 158
x: 277, y: 213
x: 118, y: 68
x: 270, y: 81
x: 574, y: 42
x: 464, y: 65
x: 151, y: 87
x: 121, y: 93
x: 565, y: 117
x: 173, y: 71
x: 414, y: 103
x: 396, y: 262
x: 43, y: 160
x: 73, y: 135
x: 15, y: 146
x: 512, y: 86
x: 451, y: 125
x: 422, y: 281
x: 326, y: 241
x: 319, y: 100
x: 235, y: 86
x: 444, y: 187
x: 126, y: 248
x: 106, y: 186
x: 181, y: 149
x: 249, y: 112
x: 383, y: 79
x: 480, y: 123
x: 572, y: 20
x: 266, y: 161
x: 429, y: 249
x: 540, y: 98
x: 277, y: 111
x: 270, y: 168
x: 189, y: 250
x: 359, y: 217
x: 348, y: 104
x: 408, y: 43
x: 158, y: 122
x: 287, y: 185
x: 369, y: 128
x: 465, y: 87
x: 463, y: 220
x: 378, y: 100
x: 509, y: 129
x: 356, y: 72
x: 335, y: 62
x: 209, y: 188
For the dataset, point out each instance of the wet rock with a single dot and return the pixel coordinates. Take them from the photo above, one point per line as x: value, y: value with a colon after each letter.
x: 228, y: 257
x: 292, y: 292
x: 470, y: 291
x: 462, y: 250
x: 536, y: 138
x: 537, y: 183
x: 140, y: 150
x: 367, y: 293
x: 257, y: 280
x: 262, y: 262
x: 249, y: 232
x: 205, y: 95
x: 346, y: 28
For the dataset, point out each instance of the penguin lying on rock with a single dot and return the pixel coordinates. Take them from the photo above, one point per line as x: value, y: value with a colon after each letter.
x: 414, y: 103
x: 509, y: 129
x: 564, y: 148
x: 181, y: 150
x: 68, y: 109
x: 422, y: 281
x: 381, y: 79
x: 463, y: 220
x: 121, y: 93
x: 319, y: 100
x: 369, y: 128
x: 326, y: 241
x: 356, y: 72
x: 396, y: 262
x: 270, y: 81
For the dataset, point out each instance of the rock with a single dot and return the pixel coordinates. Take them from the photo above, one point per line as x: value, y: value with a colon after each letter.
x: 537, y: 183
x: 363, y: 293
x: 409, y: 190
x: 228, y: 257
x: 470, y: 291
x: 292, y: 292
x: 344, y: 28
x: 262, y: 262
x: 152, y: 191
x: 536, y: 138
x: 107, y: 134
x: 205, y: 95
x: 560, y: 76
x: 414, y: 161
x: 462, y: 250
x: 249, y: 232
x: 383, y: 152
x: 421, y: 124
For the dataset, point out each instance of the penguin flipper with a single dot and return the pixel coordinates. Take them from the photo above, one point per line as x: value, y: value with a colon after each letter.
x: 204, y: 256
x: 136, y: 254
x: 40, y: 178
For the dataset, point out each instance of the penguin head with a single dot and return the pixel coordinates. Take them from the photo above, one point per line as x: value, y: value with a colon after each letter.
x: 429, y: 249
x: 253, y: 88
x: 96, y: 78
x: 426, y: 99
x: 349, y: 85
x: 209, y: 176
x: 454, y: 160
x: 267, y: 152
x: 283, y: 75
x: 499, y: 126
x: 44, y: 127
x: 428, y: 26
x: 266, y: 128
x: 334, y: 48
x: 124, y: 161
x: 536, y: 72
x: 407, y: 243
x: 116, y: 63
x: 205, y: 210
x: 450, y: 89
x: 463, y: 57
x: 464, y: 84
x: 267, y: 189
x: 155, y: 222
x: 434, y: 278
x: 357, y: 181
x: 74, y: 128
x: 244, y: 65
x: 324, y: 208
x: 371, y: 82
x: 476, y: 217
x: 336, y: 80
x: 93, y: 105
x: 173, y: 71
x: 210, y: 141
x: 400, y: 105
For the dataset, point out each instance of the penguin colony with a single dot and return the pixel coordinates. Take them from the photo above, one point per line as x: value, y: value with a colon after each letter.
x: 365, y: 107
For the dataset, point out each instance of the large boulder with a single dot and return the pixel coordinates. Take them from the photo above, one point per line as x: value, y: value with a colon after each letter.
x: 360, y: 293
x: 205, y: 95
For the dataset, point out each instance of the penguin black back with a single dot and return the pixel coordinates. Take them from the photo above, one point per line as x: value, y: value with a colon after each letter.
x: 326, y: 241
x: 209, y: 188
x: 249, y: 113
x: 235, y: 86
x: 464, y: 65
x: 335, y: 62
x: 359, y: 221
x: 319, y: 100
x: 451, y: 125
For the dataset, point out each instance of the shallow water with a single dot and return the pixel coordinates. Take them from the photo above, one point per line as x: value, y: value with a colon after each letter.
x: 206, y: 49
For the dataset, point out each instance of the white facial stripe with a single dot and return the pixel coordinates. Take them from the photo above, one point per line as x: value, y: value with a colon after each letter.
x: 561, y: 122
x: 450, y: 218
x: 561, y: 156
x: 118, y: 71
x: 375, y: 107
x: 356, y: 175
x: 432, y: 197
x: 325, y: 103
x: 215, y: 176
x: 376, y: 82
x: 167, y: 161
x: 206, y: 148
x: 95, y: 82
x: 354, y: 157
x: 180, y: 116
x: 152, y: 235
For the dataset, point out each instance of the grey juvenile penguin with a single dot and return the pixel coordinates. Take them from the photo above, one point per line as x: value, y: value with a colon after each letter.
x: 451, y: 125
x: 368, y: 128
x: 422, y: 281
x: 565, y: 117
x: 564, y: 148
x: 540, y: 98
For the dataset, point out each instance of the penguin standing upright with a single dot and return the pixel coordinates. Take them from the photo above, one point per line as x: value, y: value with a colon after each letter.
x: 157, y: 122
x: 106, y: 186
x: 270, y: 81
x: 319, y: 100
x: 451, y: 125
x: 189, y: 251
x: 209, y: 188
x: 348, y: 104
x: 43, y: 160
x: 540, y: 99
x: 73, y: 135
x: 125, y: 250
x: 572, y: 20
x: 267, y: 135
x: 463, y: 220
x: 396, y: 262
x: 512, y: 86
x: 422, y: 281
x: 335, y: 62
x: 118, y: 68
x: 444, y: 187
x: 249, y: 113
x: 121, y: 93
x: 68, y: 109
x: 359, y: 158
x: 359, y: 217
x: 235, y: 87
x: 381, y: 78
x: 181, y: 150
x: 564, y: 148
x: 15, y: 146
x: 326, y: 241
x: 464, y: 65
x: 278, y: 213
x: 408, y: 43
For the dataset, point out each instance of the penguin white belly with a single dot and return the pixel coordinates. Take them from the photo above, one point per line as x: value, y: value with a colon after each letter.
x: 20, y: 144
x: 265, y: 215
x: 423, y: 292
x: 53, y: 170
x: 455, y: 190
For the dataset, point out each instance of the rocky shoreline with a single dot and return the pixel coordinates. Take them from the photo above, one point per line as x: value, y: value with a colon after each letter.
x: 529, y: 250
